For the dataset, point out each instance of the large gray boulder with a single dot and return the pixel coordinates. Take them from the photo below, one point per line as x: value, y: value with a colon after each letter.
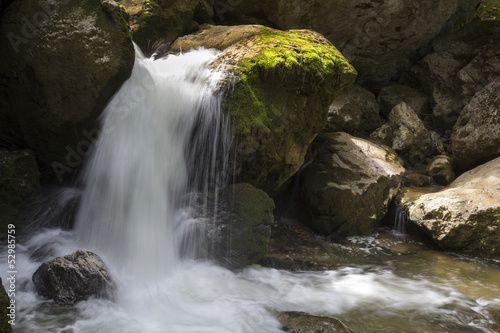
x: 377, y: 37
x: 465, y: 216
x: 243, y: 227
x: 349, y: 185
x: 476, y: 135
x: 73, y: 278
x: 461, y: 64
x: 61, y: 62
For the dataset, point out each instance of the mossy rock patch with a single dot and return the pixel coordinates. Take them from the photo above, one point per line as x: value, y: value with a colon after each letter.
x: 278, y: 88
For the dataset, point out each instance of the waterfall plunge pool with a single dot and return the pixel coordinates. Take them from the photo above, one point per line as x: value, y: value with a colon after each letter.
x: 381, y: 283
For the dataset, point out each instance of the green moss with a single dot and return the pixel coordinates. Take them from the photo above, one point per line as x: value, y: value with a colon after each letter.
x: 489, y: 10
x: 292, y: 58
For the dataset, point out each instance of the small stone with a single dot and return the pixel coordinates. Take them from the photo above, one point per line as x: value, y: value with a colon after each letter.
x: 72, y: 278
x: 441, y: 169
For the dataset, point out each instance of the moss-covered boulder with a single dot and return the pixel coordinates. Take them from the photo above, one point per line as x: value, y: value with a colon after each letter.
x: 19, y: 182
x: 160, y: 22
x: 349, y: 185
x: 278, y: 90
x: 61, y: 62
x: 4, y: 304
x: 243, y: 227
x: 465, y: 216
x: 476, y: 135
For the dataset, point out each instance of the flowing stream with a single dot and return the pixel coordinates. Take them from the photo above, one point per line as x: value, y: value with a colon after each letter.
x: 162, y: 152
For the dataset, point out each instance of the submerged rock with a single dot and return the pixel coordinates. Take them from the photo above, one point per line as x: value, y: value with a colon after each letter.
x: 349, y: 185
x: 476, y: 135
x: 300, y: 322
x: 278, y: 93
x: 465, y: 216
x: 61, y: 62
x: 73, y: 278
x: 244, y: 227
x: 19, y: 182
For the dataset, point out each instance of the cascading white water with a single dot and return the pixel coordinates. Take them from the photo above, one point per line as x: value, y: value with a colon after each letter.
x: 138, y: 173
x: 400, y: 221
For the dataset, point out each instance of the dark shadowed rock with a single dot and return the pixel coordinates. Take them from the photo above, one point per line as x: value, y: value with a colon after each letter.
x: 440, y: 168
x: 73, y: 278
x: 160, y: 22
x: 356, y: 111
x: 19, y: 182
x: 476, y: 135
x: 393, y: 95
x: 61, y: 62
x: 462, y: 63
x: 244, y: 226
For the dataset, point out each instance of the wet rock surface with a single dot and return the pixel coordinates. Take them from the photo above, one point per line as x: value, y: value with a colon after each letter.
x: 73, y: 278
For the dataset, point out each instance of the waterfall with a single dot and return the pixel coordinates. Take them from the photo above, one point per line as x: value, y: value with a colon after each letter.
x: 400, y: 220
x: 161, y: 141
x: 149, y: 190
